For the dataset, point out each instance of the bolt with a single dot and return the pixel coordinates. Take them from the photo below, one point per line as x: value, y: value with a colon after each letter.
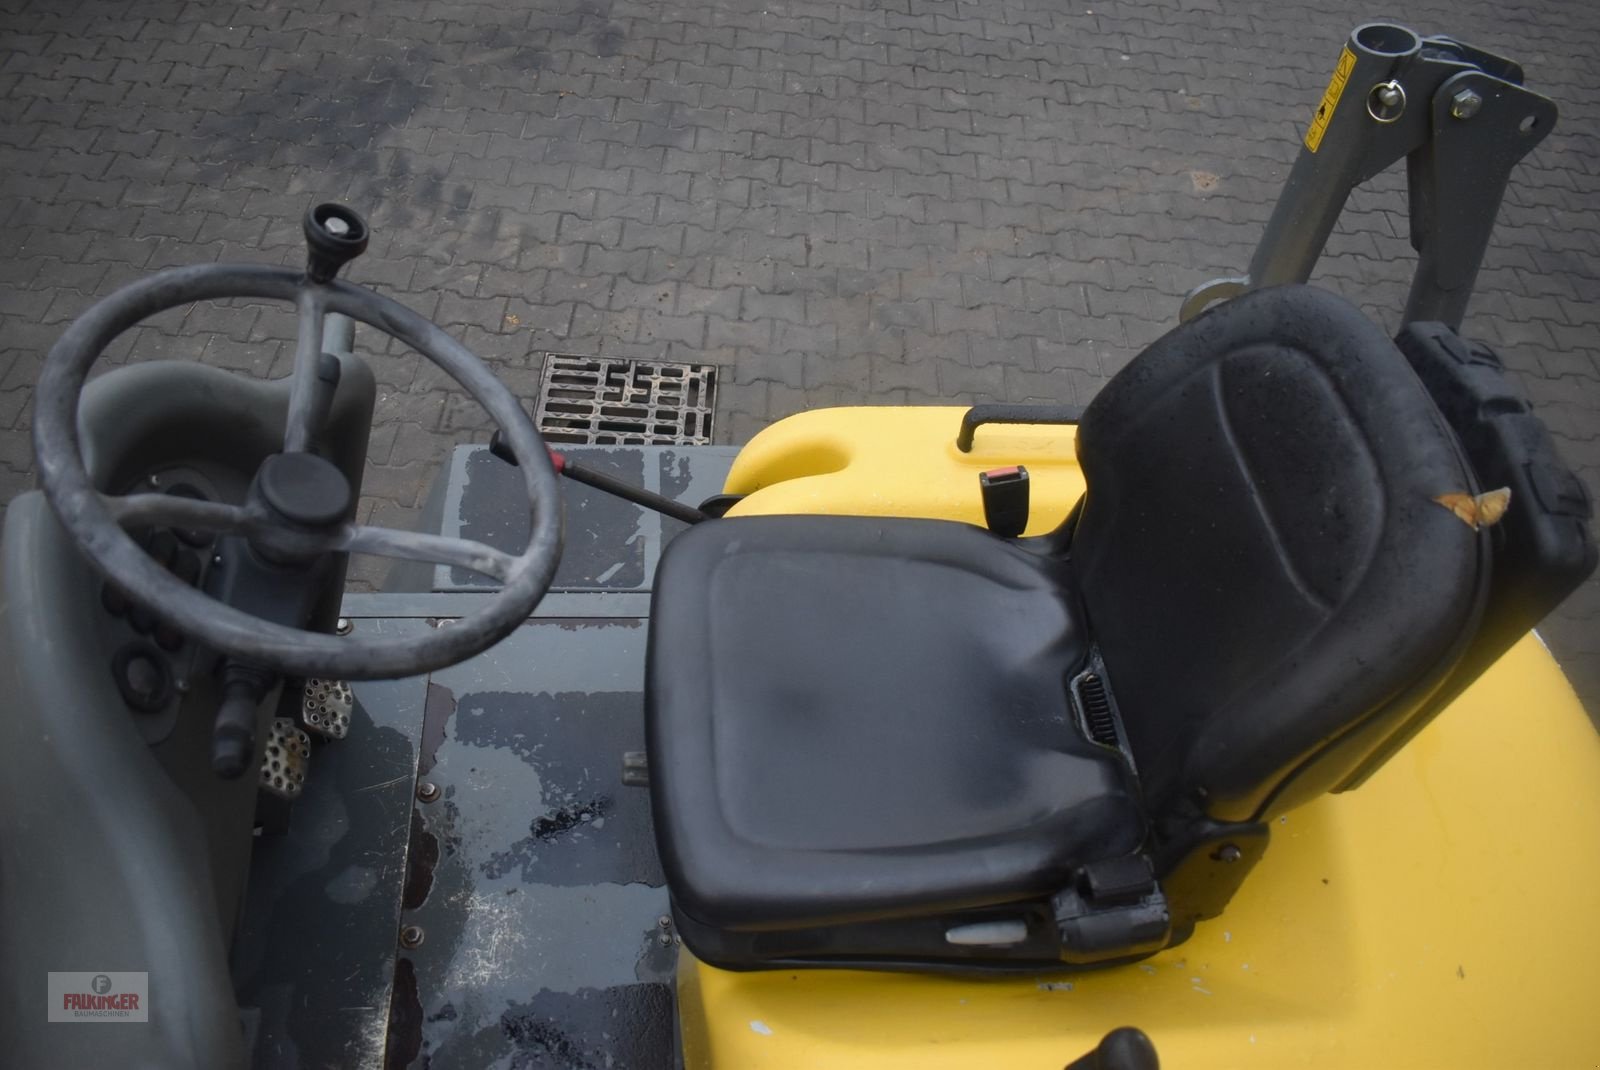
x: 664, y: 921
x: 155, y: 480
x: 1228, y: 853
x: 428, y: 791
x: 411, y: 936
x: 344, y: 626
x: 665, y: 939
x: 1465, y: 104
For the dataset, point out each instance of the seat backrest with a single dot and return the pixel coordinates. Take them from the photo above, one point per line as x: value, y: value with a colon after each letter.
x: 1271, y: 583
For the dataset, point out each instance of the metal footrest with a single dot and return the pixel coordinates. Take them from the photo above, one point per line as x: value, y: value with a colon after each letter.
x: 325, y: 708
x: 287, y: 759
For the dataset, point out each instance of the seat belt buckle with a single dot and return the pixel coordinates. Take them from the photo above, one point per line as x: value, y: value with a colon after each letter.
x: 1005, y: 500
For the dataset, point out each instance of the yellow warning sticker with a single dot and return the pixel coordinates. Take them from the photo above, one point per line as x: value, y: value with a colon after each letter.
x: 1330, y: 98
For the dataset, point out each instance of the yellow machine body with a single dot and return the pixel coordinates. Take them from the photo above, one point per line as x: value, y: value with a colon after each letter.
x: 1447, y: 914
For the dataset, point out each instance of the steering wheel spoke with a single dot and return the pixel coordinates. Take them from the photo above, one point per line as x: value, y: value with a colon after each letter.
x: 175, y: 511
x: 430, y: 549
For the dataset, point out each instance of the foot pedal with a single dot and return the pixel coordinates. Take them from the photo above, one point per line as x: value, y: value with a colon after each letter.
x: 325, y: 708
x: 287, y: 759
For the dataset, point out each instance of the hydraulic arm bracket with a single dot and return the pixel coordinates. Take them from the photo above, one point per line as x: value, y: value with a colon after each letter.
x: 1461, y: 118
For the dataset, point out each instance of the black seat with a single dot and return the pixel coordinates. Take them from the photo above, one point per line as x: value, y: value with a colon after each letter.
x: 915, y: 743
x: 877, y: 710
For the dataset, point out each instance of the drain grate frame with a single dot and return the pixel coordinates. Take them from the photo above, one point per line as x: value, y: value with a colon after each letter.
x: 612, y: 401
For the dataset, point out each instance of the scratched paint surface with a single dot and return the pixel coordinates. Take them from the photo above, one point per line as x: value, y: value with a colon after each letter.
x: 605, y: 539
x: 609, y: 544
x: 543, y: 945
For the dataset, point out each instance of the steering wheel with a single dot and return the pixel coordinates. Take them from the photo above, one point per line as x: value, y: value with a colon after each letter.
x: 298, y: 502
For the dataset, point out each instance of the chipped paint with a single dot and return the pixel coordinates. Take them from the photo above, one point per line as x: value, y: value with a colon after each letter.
x: 565, y: 818
x: 437, y: 710
x: 758, y: 1026
x: 404, y: 1041
x: 421, y: 861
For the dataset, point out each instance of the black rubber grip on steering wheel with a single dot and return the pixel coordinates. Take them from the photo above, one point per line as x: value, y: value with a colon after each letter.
x: 1013, y: 414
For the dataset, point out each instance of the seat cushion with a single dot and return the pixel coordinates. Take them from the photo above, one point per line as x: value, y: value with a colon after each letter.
x: 853, y: 719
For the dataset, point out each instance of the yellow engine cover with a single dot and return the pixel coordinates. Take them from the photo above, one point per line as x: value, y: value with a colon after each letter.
x: 1447, y: 914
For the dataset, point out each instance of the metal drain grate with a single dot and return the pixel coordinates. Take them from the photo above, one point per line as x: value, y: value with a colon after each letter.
x: 608, y: 401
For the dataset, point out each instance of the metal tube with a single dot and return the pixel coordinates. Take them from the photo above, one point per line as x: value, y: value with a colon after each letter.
x: 628, y: 492
x: 1336, y: 153
x: 308, y: 394
x: 1462, y: 118
x: 338, y: 334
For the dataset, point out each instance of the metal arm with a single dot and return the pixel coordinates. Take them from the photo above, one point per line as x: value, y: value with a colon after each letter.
x: 1462, y: 119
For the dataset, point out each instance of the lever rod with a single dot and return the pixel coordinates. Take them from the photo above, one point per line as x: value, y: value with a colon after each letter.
x: 609, y: 484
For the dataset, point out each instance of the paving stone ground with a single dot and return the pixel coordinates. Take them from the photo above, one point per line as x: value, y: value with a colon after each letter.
x: 900, y: 201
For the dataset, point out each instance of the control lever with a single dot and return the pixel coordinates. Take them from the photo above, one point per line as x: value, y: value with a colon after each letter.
x: 609, y: 484
x: 329, y: 371
x: 233, y: 737
x: 335, y: 235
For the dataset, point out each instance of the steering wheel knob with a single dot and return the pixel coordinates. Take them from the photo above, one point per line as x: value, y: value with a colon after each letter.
x: 335, y: 235
x: 304, y: 489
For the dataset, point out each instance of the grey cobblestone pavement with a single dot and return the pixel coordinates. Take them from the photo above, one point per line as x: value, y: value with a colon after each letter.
x: 901, y: 201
